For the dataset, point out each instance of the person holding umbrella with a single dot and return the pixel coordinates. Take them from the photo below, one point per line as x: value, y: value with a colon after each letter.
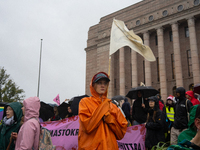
x: 101, y: 121
x: 139, y: 109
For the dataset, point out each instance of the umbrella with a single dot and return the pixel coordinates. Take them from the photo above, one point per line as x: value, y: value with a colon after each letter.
x: 75, y: 104
x: 118, y: 98
x: 147, y: 91
x: 2, y: 104
x: 46, y: 111
x: 63, y: 110
x: 197, y: 88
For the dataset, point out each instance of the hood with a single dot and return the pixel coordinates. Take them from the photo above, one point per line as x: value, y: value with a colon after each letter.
x: 170, y: 97
x: 94, y: 93
x: 141, y: 93
x: 181, y: 90
x: 159, y: 96
x: 192, y: 115
x: 16, y: 106
x: 190, y: 93
x: 125, y: 100
x: 31, y: 107
x: 155, y: 99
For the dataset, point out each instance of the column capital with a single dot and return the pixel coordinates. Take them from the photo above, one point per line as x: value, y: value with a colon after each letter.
x: 191, y: 21
x: 146, y: 35
x: 145, y: 32
x: 160, y: 31
x: 175, y: 26
x: 174, y: 23
x: 161, y: 27
x: 190, y: 17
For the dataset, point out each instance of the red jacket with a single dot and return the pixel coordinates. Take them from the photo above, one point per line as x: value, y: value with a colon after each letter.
x: 193, y: 99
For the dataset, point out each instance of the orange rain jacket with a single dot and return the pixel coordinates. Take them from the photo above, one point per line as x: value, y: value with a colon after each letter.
x: 94, y: 132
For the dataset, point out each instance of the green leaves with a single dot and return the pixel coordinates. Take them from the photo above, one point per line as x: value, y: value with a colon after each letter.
x: 160, y: 146
x: 9, y: 91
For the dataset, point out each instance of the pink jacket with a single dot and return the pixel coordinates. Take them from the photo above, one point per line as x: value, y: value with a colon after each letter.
x: 29, y: 132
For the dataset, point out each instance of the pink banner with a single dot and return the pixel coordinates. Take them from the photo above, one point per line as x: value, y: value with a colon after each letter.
x: 64, y: 134
x: 134, y: 138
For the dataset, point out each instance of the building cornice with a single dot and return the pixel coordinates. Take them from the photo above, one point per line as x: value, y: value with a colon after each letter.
x: 167, y: 20
x: 93, y: 47
x: 183, y: 13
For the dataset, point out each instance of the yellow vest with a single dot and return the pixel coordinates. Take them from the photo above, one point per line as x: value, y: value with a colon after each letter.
x: 170, y: 114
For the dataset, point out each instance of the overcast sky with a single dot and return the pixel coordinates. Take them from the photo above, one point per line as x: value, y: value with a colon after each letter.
x: 63, y: 25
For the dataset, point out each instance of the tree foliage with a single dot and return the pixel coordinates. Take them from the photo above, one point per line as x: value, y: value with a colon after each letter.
x: 9, y: 91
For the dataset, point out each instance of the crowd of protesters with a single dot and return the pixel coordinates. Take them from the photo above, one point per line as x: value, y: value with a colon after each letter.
x: 177, y: 113
x: 175, y: 122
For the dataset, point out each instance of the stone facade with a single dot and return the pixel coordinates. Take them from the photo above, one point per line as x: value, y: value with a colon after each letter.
x: 164, y: 25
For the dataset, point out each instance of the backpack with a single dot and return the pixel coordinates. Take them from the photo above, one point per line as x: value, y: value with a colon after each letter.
x: 188, y: 113
x: 45, y: 142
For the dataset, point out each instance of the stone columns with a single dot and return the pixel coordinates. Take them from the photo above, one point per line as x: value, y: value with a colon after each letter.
x: 121, y: 72
x: 194, y: 50
x: 161, y: 56
x: 134, y: 68
x: 177, y: 55
x: 147, y: 63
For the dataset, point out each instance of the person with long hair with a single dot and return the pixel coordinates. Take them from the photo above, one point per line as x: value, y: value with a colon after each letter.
x: 154, y: 124
x: 56, y: 114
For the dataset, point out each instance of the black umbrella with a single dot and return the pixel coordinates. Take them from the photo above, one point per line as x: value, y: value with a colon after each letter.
x: 147, y: 91
x: 63, y: 110
x: 118, y: 98
x: 2, y: 104
x: 46, y: 111
x: 75, y: 104
x: 197, y: 88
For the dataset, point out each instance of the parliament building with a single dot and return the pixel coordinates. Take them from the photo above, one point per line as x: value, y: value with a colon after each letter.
x: 171, y: 28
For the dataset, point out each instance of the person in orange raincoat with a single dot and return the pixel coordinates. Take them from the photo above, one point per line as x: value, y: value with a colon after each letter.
x: 101, y: 121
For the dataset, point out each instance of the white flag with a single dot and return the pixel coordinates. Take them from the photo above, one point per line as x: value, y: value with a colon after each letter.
x: 121, y: 36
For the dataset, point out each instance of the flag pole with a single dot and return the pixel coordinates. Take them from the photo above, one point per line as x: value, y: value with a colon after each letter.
x: 109, y: 66
x: 39, y: 68
x: 109, y: 69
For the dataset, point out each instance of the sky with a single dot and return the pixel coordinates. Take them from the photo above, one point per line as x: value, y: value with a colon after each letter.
x: 63, y: 25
